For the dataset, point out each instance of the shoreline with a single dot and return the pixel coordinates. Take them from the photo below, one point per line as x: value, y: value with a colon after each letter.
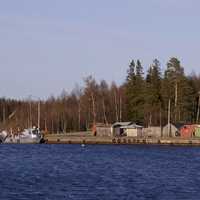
x: 72, y: 139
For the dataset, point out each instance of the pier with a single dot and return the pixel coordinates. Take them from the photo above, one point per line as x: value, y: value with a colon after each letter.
x: 88, y: 138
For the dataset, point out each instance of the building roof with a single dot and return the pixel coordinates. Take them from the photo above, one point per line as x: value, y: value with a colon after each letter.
x: 122, y: 124
x: 176, y: 125
x: 132, y: 126
x: 102, y: 125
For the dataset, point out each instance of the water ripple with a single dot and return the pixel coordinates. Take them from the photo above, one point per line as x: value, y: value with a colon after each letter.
x: 29, y: 172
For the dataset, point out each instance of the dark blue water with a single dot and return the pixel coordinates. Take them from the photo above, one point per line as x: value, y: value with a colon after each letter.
x: 99, y: 172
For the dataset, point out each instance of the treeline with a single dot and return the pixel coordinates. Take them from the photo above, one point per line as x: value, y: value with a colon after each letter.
x: 150, y: 97
x: 144, y: 98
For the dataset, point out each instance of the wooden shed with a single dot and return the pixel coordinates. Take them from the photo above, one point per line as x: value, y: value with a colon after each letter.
x: 171, y: 130
x: 133, y: 130
x: 197, y: 131
x: 187, y: 131
x: 117, y: 128
x: 152, y: 131
x: 103, y: 130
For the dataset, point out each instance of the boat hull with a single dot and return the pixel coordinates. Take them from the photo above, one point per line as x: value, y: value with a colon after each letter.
x: 10, y: 140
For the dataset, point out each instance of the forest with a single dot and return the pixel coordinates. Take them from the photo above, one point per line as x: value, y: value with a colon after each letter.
x: 143, y: 97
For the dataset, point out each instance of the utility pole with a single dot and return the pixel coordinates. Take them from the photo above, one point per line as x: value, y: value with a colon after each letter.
x: 52, y: 126
x: 104, y: 112
x: 169, y: 114
x: 176, y: 100
x: 120, y: 108
x: 197, y: 119
x: 4, y: 114
x: 161, y: 120
x: 30, y: 110
x: 150, y: 119
x: 93, y: 108
x: 45, y: 125
x: 39, y: 115
x: 116, y: 107
x: 79, y: 114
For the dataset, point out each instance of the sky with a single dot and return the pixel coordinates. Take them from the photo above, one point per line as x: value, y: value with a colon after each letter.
x: 50, y: 45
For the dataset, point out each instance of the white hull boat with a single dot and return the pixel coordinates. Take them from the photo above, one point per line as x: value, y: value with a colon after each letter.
x: 28, y: 136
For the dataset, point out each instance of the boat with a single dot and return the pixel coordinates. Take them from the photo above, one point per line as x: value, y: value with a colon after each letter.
x: 31, y: 135
x: 3, y: 136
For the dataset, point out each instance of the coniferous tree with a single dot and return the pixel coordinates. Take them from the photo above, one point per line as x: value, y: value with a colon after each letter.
x: 176, y: 87
x: 135, y: 92
x: 153, y: 100
x: 138, y: 99
x: 130, y: 92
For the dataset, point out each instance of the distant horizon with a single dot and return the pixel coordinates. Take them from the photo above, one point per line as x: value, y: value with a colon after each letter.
x: 47, y: 46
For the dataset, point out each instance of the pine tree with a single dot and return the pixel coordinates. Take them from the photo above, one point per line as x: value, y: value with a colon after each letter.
x: 177, y: 88
x: 135, y: 92
x: 153, y: 94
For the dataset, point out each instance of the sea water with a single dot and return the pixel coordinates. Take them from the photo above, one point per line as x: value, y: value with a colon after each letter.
x: 128, y: 172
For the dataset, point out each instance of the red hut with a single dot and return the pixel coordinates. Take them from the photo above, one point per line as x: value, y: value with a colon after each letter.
x: 187, y: 131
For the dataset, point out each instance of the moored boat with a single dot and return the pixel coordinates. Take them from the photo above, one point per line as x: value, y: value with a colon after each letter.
x: 31, y: 135
x: 3, y: 136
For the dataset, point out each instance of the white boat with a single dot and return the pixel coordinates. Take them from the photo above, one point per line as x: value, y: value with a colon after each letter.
x: 31, y: 135
x: 3, y: 136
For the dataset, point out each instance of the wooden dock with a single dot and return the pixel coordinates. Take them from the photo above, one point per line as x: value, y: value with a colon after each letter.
x: 89, y: 139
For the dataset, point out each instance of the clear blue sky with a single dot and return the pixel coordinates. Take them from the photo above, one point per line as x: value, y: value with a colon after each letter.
x: 49, y: 45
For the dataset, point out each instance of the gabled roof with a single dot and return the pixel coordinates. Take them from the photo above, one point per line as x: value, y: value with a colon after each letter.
x: 103, y: 125
x: 132, y: 126
x: 178, y: 125
x: 122, y: 124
